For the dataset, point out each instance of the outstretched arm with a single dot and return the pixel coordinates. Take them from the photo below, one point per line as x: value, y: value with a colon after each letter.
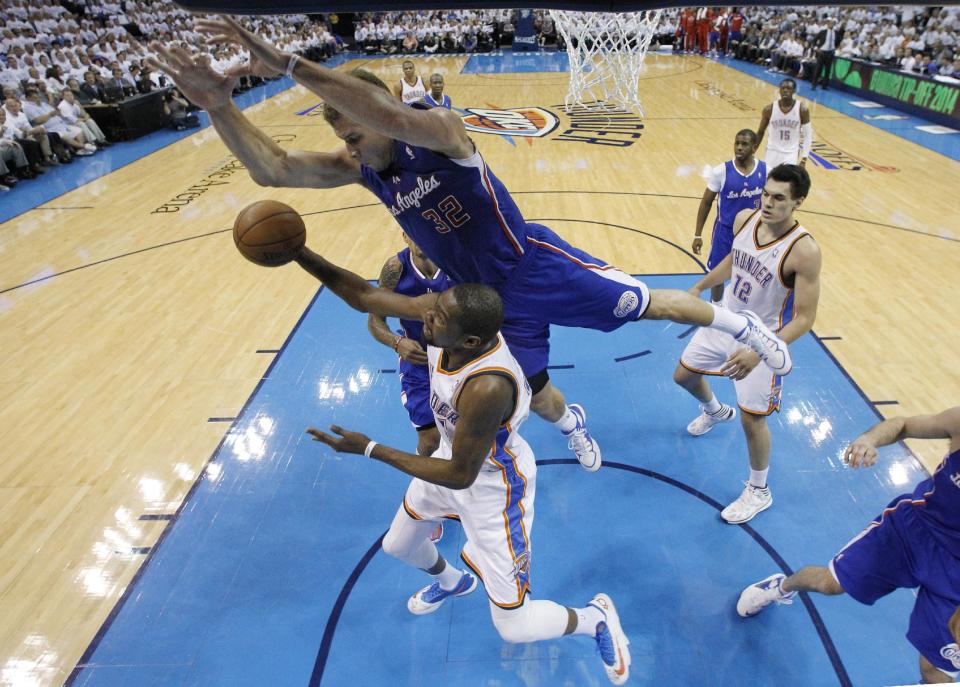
x: 437, y: 129
x: 944, y: 425
x: 359, y: 295
x: 483, y: 405
x: 267, y: 163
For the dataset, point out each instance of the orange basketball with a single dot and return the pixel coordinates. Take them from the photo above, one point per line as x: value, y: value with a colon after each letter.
x: 269, y: 233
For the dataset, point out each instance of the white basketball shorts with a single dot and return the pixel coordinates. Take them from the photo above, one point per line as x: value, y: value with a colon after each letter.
x: 758, y: 393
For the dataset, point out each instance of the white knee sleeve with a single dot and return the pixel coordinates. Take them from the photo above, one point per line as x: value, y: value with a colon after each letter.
x: 409, y: 540
x: 532, y: 622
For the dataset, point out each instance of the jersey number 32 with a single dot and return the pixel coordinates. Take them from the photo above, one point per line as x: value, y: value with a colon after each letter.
x: 453, y: 215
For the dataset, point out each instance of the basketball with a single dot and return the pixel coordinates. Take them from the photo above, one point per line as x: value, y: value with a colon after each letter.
x: 269, y: 233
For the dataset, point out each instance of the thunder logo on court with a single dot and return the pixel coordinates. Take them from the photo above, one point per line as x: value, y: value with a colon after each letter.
x: 610, y: 128
x: 519, y: 121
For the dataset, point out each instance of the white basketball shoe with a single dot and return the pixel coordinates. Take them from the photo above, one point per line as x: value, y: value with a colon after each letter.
x: 581, y: 443
x: 431, y: 597
x: 758, y: 596
x: 770, y: 347
x: 705, y: 421
x: 752, y: 500
x: 612, y: 643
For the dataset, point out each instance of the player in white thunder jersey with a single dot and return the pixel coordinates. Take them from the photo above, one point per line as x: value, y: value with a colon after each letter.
x: 411, y: 88
x: 774, y: 271
x: 483, y: 474
x: 791, y: 134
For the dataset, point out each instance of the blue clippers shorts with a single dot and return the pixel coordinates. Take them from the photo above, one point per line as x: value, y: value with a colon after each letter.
x: 561, y: 284
x: 897, y: 551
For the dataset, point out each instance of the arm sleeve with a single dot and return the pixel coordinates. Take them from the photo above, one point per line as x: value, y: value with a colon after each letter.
x: 715, y: 177
x: 806, y: 139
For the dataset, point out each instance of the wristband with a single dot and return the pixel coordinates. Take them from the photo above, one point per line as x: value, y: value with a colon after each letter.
x: 369, y: 449
x: 396, y: 344
x: 294, y: 58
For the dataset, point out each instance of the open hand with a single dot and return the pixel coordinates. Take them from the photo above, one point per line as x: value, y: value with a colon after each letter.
x: 348, y: 442
x: 192, y: 74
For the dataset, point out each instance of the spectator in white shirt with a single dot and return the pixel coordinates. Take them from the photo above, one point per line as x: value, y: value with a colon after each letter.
x: 73, y: 114
x: 18, y: 122
x: 847, y: 48
x: 41, y: 113
x: 908, y: 62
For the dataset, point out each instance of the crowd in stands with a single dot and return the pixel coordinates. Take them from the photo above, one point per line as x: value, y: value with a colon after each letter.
x: 915, y: 39
x: 57, y: 58
x: 446, y: 31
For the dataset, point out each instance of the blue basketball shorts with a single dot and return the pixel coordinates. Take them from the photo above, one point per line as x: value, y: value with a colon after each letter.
x: 720, y: 244
x: 897, y: 551
x: 561, y: 284
x: 415, y: 395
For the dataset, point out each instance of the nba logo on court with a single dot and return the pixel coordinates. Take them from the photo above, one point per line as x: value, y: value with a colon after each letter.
x: 534, y: 122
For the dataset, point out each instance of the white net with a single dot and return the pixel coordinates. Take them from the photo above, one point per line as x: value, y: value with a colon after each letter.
x: 606, y: 51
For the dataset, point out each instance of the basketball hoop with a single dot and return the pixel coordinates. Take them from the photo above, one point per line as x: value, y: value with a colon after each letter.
x: 606, y: 51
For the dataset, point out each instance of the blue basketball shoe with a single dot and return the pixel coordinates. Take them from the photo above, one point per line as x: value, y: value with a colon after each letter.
x: 612, y: 643
x: 430, y: 598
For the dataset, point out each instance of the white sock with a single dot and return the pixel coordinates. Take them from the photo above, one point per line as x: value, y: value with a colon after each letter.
x: 567, y: 423
x: 449, y: 577
x: 730, y: 322
x: 758, y: 478
x: 712, y: 406
x: 587, y: 620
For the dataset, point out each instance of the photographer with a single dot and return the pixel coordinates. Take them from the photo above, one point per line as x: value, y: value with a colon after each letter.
x: 176, y: 107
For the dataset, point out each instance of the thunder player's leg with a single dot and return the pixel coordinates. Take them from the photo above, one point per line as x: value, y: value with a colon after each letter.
x: 411, y: 539
x: 698, y: 360
x: 539, y: 620
x: 758, y: 394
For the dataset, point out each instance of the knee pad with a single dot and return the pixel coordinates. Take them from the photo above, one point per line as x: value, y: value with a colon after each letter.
x: 515, y: 625
x: 393, y: 545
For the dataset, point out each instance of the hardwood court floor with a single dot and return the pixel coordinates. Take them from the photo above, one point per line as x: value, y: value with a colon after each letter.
x: 113, y: 372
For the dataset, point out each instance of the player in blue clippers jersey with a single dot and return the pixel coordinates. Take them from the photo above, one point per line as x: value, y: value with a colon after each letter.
x: 435, y: 97
x: 411, y: 273
x: 737, y: 185
x: 913, y: 543
x: 422, y: 165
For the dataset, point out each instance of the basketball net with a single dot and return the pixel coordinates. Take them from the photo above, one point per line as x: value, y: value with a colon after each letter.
x: 606, y: 51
